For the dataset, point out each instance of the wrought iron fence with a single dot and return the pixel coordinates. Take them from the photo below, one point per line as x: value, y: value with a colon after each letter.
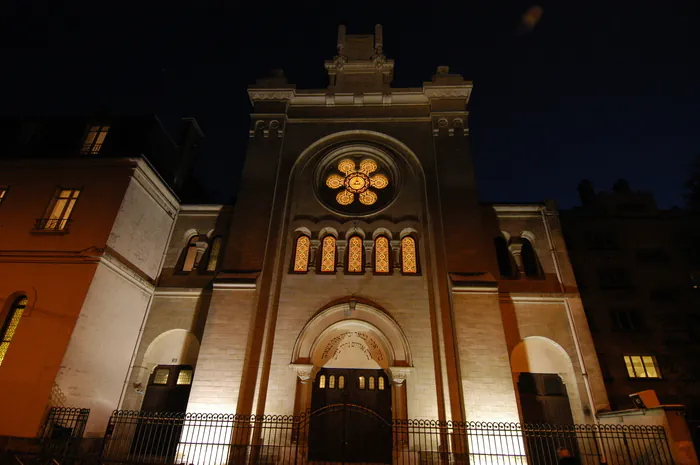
x: 213, y: 439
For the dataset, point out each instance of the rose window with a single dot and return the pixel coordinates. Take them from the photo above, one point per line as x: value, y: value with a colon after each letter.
x: 356, y: 183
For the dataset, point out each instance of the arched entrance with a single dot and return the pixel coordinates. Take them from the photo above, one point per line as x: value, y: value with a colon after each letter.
x: 352, y: 360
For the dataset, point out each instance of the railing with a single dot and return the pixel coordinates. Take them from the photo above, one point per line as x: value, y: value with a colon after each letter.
x: 331, y: 435
x: 51, y: 224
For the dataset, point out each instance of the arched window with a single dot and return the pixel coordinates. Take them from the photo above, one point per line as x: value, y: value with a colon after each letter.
x: 531, y: 264
x: 214, y: 254
x: 341, y: 382
x: 9, y: 326
x: 322, y: 382
x: 355, y: 255
x: 380, y: 383
x: 382, y: 255
x: 331, y: 382
x: 371, y: 383
x: 505, y: 262
x: 190, y: 254
x: 409, y: 259
x: 328, y: 255
x: 361, y: 382
x: 301, y: 254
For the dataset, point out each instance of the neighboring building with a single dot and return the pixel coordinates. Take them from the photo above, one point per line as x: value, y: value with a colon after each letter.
x: 358, y: 265
x: 636, y: 267
x: 85, y: 221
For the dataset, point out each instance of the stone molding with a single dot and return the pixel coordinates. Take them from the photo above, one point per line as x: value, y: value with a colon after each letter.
x: 399, y: 374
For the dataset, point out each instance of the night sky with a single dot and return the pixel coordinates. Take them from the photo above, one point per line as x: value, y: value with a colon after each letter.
x: 596, y: 90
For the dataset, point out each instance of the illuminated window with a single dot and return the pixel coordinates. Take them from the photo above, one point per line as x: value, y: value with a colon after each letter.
x: 3, y: 192
x: 184, y: 377
x: 10, y: 324
x: 381, y: 255
x: 341, y: 382
x: 371, y: 383
x: 94, y: 140
x: 642, y: 366
x: 356, y: 181
x: 409, y: 261
x: 328, y: 255
x: 190, y: 254
x: 380, y: 383
x: 331, y: 382
x: 361, y: 382
x: 301, y: 254
x: 322, y: 382
x: 161, y: 376
x: 214, y: 254
x: 59, y: 211
x: 355, y: 255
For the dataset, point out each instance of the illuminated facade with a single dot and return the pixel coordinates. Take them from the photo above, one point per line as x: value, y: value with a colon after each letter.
x: 359, y: 264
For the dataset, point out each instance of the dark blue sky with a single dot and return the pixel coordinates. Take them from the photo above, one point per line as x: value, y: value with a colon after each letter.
x: 594, y: 91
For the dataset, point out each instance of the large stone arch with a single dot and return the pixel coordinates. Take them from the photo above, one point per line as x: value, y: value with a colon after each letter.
x: 173, y: 347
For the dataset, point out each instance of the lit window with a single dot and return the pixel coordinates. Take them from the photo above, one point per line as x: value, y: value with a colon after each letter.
x: 642, y: 366
x: 371, y: 383
x: 10, y: 324
x: 331, y: 382
x: 94, y: 140
x: 322, y: 382
x: 355, y: 262
x: 161, y: 376
x: 409, y: 263
x: 357, y: 181
x: 58, y: 213
x: 190, y: 254
x: 380, y: 383
x: 301, y: 254
x: 341, y: 382
x: 381, y: 255
x: 185, y: 376
x: 214, y: 254
x: 3, y: 191
x: 361, y: 382
x: 328, y: 255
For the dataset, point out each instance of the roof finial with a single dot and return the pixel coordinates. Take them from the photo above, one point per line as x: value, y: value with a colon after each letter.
x: 341, y: 39
x: 378, y: 39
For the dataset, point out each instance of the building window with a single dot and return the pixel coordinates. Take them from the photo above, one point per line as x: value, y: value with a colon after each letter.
x: 381, y: 255
x: 380, y: 383
x: 613, y: 278
x: 361, y: 382
x: 627, y: 320
x: 214, y: 254
x: 10, y: 324
x: 184, y: 377
x: 94, y: 139
x: 504, y: 258
x: 161, y: 376
x: 322, y: 382
x: 355, y: 255
x: 3, y: 192
x: 328, y: 255
x: 301, y: 254
x: 341, y: 382
x: 531, y: 264
x: 370, y: 383
x: 601, y: 240
x: 331, y: 382
x: 642, y: 366
x: 190, y: 254
x: 59, y: 211
x: 409, y: 258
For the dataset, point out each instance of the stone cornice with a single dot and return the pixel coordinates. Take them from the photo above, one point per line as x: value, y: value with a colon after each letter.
x: 448, y: 92
x: 261, y: 94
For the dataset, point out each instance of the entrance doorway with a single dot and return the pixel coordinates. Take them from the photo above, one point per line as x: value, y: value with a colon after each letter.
x: 168, y: 389
x: 544, y: 399
x: 351, y: 416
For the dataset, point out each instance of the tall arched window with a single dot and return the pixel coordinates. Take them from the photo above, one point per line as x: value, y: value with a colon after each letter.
x: 328, y: 254
x: 505, y: 263
x: 531, y: 264
x: 214, y: 254
x: 9, y: 326
x: 301, y: 254
x: 382, y: 255
x: 409, y: 258
x: 190, y: 254
x: 355, y: 255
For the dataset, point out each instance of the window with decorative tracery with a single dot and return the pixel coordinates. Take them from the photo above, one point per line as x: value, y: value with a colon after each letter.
x: 301, y: 254
x: 356, y: 181
x: 382, y: 255
x: 9, y: 326
x: 409, y: 259
x: 328, y: 255
x: 355, y: 255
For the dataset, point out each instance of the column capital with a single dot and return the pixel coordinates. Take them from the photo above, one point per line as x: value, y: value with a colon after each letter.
x: 399, y: 374
x: 305, y: 372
